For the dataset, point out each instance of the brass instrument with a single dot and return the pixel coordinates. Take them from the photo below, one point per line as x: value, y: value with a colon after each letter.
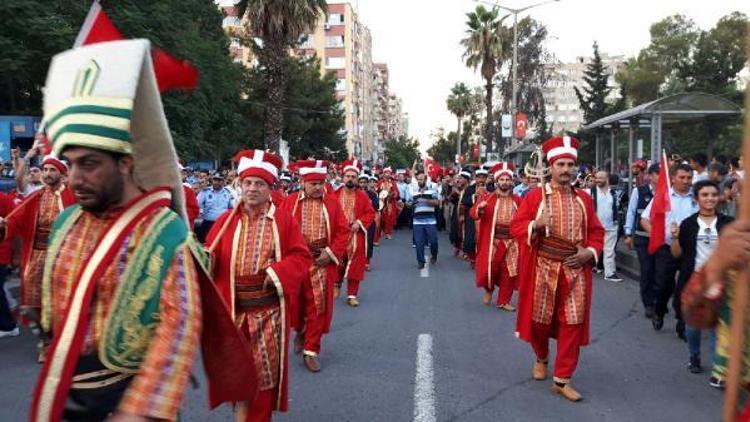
x: 384, y: 196
x: 535, y: 168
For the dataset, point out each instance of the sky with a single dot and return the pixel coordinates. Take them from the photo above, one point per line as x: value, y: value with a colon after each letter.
x: 419, y: 40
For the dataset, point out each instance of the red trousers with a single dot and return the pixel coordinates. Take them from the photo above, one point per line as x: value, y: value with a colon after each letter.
x: 260, y: 410
x: 505, y: 283
x: 390, y: 216
x: 310, y: 322
x: 352, y: 287
x: 568, y: 336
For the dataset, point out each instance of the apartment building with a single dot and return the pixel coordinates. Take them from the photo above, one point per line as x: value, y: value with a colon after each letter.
x: 563, y: 110
x: 344, y: 46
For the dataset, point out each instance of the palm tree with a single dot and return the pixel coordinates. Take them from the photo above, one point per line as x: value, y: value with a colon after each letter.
x: 459, y: 103
x: 484, y: 50
x: 276, y: 26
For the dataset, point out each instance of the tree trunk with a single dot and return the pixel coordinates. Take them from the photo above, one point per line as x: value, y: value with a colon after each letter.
x: 276, y: 81
x: 488, y: 124
x: 458, y: 141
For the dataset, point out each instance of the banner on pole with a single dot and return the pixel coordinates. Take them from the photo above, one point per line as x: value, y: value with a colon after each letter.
x: 505, y: 124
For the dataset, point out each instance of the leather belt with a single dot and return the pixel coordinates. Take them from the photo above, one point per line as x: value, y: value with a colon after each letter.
x: 556, y: 249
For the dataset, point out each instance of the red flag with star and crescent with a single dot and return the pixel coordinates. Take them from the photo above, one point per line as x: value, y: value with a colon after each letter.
x: 660, y: 207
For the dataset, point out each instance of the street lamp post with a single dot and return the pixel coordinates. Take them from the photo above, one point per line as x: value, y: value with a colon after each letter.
x: 514, y: 64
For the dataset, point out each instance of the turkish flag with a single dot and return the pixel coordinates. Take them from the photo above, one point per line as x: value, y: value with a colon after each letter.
x: 522, y: 123
x: 432, y: 169
x: 660, y: 206
x: 171, y: 72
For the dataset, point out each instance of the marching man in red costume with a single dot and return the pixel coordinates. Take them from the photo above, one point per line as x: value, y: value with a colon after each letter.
x: 359, y: 215
x: 560, y: 238
x: 124, y: 291
x: 497, y: 260
x: 388, y: 193
x: 326, y: 232
x: 32, y: 222
x: 258, y: 253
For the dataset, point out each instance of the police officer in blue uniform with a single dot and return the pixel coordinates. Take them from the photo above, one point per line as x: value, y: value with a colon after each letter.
x: 213, y: 201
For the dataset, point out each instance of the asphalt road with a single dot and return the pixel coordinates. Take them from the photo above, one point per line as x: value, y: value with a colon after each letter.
x: 477, y: 370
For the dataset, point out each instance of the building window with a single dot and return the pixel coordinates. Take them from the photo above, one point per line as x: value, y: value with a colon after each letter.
x: 335, y: 19
x: 335, y: 41
x: 335, y: 62
x: 341, y: 85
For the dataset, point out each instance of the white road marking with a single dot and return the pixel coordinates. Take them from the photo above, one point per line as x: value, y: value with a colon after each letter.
x: 425, y: 272
x: 424, y: 389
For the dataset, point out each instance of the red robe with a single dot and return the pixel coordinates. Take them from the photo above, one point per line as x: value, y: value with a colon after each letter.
x: 593, y: 239
x: 291, y: 254
x: 338, y: 239
x: 24, y: 221
x: 488, y: 250
x: 390, y: 212
x: 363, y: 216
x: 278, y: 197
x: 191, y: 205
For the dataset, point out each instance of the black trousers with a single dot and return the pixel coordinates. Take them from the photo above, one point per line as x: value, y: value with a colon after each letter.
x: 664, y: 280
x: 7, y: 323
x: 201, y: 231
x: 440, y: 218
x: 93, y: 404
x: 404, y: 218
x: 370, y: 240
x: 648, y: 267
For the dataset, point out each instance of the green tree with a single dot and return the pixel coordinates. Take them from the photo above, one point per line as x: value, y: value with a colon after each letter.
x: 401, y: 152
x: 278, y: 24
x: 460, y: 102
x: 443, y: 149
x: 640, y: 79
x: 31, y: 33
x: 484, y: 50
x: 313, y: 116
x: 593, y: 99
x: 718, y: 57
x: 205, y: 123
x: 657, y: 69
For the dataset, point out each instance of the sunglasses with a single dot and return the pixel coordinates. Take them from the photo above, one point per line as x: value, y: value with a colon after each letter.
x: 707, y: 238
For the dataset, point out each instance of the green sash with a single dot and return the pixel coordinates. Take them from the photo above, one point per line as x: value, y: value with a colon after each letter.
x: 135, y: 311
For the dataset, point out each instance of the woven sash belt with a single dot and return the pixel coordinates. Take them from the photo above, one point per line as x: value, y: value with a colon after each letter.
x: 250, y: 294
x: 502, y: 232
x: 556, y: 249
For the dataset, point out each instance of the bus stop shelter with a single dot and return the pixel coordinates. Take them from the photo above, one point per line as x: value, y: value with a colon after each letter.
x: 654, y: 116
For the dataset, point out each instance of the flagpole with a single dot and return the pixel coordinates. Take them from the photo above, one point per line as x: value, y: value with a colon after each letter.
x: 740, y: 293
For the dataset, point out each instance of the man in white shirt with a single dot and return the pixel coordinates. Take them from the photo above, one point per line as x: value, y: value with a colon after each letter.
x: 605, y: 204
x: 682, y: 205
x: 698, y: 163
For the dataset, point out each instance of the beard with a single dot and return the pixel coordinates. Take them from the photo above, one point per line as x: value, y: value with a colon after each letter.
x: 100, y: 200
x: 50, y: 180
x: 350, y: 185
